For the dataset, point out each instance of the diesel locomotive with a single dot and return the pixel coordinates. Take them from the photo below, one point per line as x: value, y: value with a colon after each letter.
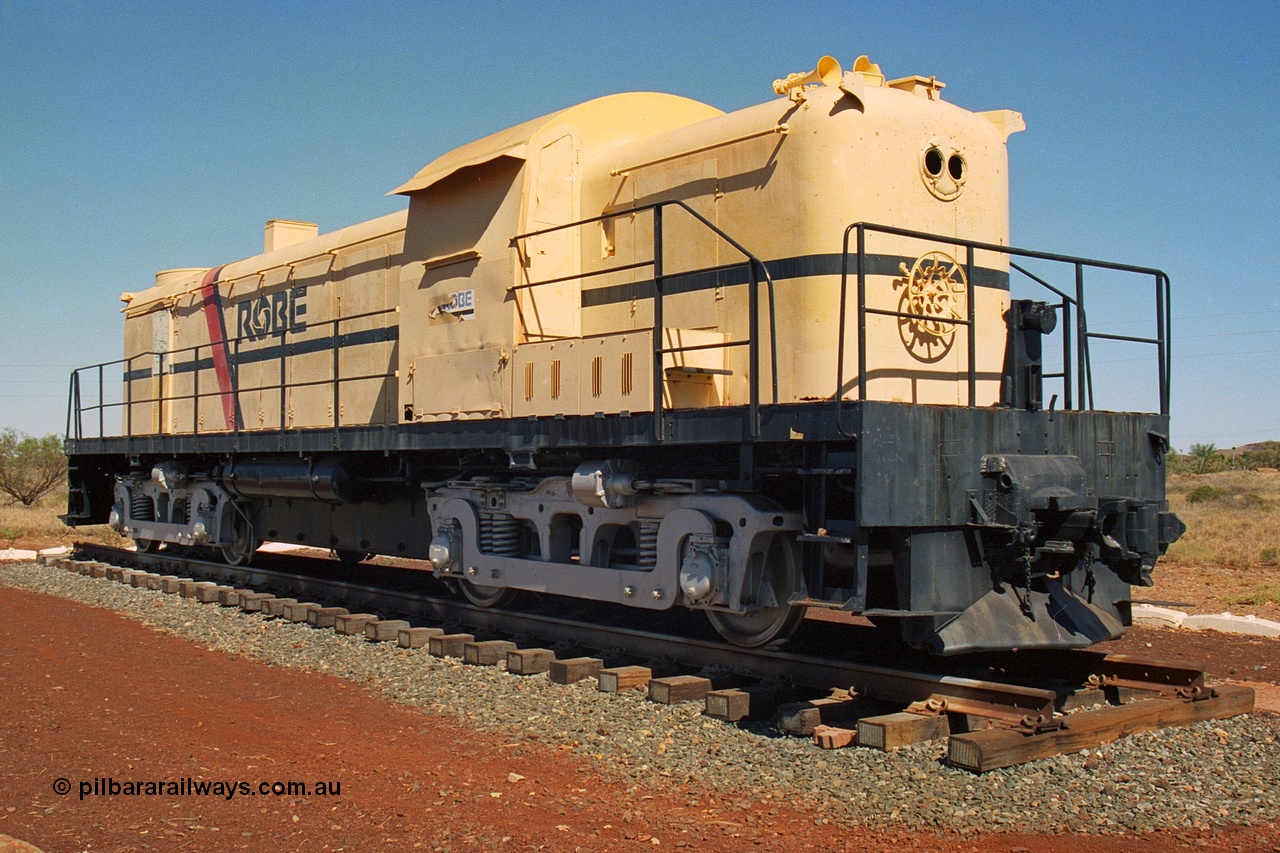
x: 646, y: 352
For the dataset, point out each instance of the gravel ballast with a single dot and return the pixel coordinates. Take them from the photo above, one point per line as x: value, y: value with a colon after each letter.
x: 1211, y: 774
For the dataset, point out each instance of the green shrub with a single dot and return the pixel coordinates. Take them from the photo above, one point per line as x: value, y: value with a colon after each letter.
x: 1264, y: 455
x: 30, y: 468
x: 1204, y: 494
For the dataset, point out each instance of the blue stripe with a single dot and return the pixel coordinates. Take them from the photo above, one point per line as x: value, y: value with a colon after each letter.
x: 272, y: 353
x: 781, y: 269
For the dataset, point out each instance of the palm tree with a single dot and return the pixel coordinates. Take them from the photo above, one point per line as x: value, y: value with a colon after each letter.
x: 1204, y: 455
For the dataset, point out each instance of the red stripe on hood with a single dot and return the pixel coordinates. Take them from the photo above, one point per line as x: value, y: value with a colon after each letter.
x: 212, y: 306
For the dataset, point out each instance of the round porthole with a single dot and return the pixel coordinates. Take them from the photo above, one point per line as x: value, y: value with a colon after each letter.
x: 943, y: 170
x: 933, y: 162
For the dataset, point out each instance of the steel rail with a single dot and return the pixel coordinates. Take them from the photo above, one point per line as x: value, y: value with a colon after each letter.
x: 998, y: 700
x: 1015, y: 739
x: 894, y: 685
x: 1026, y: 727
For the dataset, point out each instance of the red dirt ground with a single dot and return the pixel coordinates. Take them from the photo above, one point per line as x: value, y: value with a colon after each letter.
x: 88, y: 694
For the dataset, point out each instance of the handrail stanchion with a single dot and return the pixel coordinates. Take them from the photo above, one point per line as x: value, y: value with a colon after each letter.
x: 1168, y: 335
x: 971, y: 333
x: 195, y: 397
x: 1067, y: 390
x: 753, y: 350
x: 284, y: 355
x: 128, y: 400
x: 1162, y: 347
x: 334, y: 341
x: 841, y: 328
x: 657, y: 324
x: 840, y: 323
x: 862, y: 313
x: 1082, y: 342
x: 160, y: 395
x: 233, y: 369
x: 773, y: 328
x: 72, y: 407
x: 102, y: 409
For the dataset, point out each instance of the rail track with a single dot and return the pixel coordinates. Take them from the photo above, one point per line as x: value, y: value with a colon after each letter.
x: 1013, y: 714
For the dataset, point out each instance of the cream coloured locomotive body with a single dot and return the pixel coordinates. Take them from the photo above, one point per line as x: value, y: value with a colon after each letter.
x: 782, y: 179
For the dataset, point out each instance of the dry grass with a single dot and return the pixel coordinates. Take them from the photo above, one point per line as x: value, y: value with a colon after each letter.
x: 1229, y: 558
x: 35, y: 527
x: 1232, y: 518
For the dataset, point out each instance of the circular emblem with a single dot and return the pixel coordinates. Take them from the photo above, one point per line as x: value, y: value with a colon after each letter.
x: 934, y: 293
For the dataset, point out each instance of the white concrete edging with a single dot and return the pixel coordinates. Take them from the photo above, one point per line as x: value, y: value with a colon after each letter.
x: 1165, y: 617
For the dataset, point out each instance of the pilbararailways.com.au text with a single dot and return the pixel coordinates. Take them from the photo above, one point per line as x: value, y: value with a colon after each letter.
x: 188, y: 787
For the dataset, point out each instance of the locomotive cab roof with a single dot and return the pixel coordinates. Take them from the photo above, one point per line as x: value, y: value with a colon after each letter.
x: 613, y: 117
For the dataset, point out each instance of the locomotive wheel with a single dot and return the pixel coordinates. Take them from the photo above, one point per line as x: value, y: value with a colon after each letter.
x: 240, y: 552
x: 147, y: 546
x: 766, y: 626
x: 488, y: 596
x: 348, y: 556
x: 776, y: 621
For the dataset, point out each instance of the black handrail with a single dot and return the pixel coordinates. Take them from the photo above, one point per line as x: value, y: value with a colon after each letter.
x: 659, y: 278
x: 76, y: 410
x: 165, y: 361
x: 1070, y: 305
x: 1077, y: 368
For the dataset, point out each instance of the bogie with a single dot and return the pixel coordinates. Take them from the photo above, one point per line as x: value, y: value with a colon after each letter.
x: 640, y: 551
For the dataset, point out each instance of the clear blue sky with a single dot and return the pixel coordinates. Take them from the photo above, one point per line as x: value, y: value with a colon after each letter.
x: 137, y: 137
